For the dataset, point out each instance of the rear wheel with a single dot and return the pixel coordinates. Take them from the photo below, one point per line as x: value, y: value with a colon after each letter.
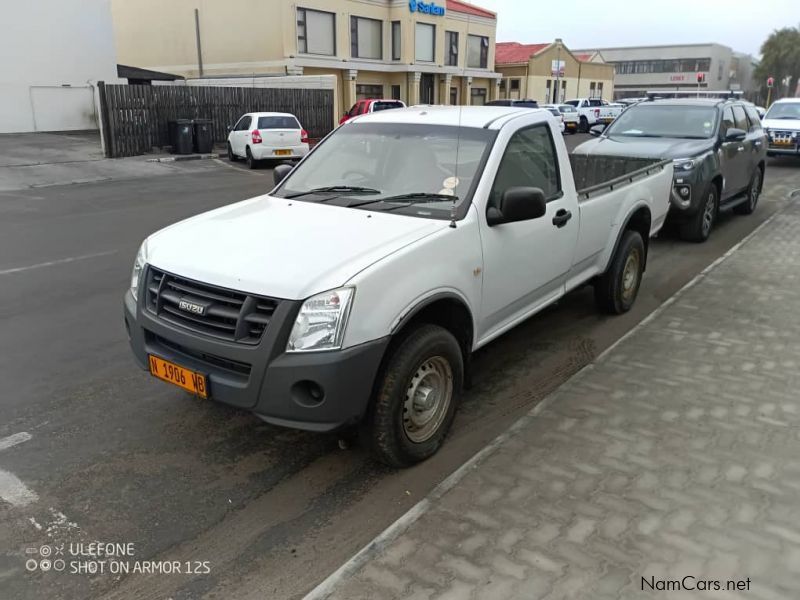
x: 699, y: 227
x: 252, y: 163
x: 231, y: 156
x: 583, y: 127
x: 417, y: 397
x: 753, y: 192
x: 616, y: 291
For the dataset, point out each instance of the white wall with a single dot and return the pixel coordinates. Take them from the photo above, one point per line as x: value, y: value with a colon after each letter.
x: 53, y: 53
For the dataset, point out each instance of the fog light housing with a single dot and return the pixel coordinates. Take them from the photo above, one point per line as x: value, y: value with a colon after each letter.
x: 682, y: 195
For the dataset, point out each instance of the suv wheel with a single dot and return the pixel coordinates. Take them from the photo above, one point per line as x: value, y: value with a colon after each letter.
x: 699, y: 227
x: 616, y: 291
x: 753, y: 192
x: 416, y: 397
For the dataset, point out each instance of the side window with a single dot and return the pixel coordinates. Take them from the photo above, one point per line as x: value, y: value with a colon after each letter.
x: 529, y: 161
x: 740, y: 119
x: 727, y: 121
x: 354, y: 109
x: 752, y: 115
x: 243, y: 124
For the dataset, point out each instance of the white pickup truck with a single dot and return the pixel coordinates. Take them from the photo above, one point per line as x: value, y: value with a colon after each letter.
x: 356, y: 290
x: 592, y: 111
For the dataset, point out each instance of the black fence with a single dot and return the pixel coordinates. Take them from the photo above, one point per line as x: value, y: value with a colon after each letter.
x: 135, y: 117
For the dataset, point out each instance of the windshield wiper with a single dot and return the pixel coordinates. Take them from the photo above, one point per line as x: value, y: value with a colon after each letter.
x: 343, y: 189
x: 413, y: 197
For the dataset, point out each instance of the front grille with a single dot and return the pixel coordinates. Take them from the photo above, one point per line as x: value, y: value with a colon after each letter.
x: 227, y: 314
x: 210, y: 360
x: 783, y: 136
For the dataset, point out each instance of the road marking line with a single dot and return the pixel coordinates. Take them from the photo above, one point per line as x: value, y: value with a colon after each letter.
x: 396, y: 529
x: 15, y: 439
x: 60, y: 261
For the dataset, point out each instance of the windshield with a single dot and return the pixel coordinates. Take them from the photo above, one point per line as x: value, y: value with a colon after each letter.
x: 566, y: 108
x: 784, y: 110
x: 674, y: 121
x: 278, y: 122
x: 362, y: 163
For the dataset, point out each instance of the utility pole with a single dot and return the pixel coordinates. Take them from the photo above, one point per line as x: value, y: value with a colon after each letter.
x: 558, y: 71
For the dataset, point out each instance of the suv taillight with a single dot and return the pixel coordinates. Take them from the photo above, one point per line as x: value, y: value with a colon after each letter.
x: 255, y: 136
x: 303, y: 136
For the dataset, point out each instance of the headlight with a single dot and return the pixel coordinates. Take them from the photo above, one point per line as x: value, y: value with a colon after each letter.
x: 321, y: 322
x: 684, y: 164
x: 138, y: 268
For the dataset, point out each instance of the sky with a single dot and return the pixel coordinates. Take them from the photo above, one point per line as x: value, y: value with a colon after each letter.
x: 740, y: 24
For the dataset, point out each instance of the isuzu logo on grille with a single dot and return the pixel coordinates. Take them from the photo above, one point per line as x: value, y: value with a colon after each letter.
x: 191, y: 307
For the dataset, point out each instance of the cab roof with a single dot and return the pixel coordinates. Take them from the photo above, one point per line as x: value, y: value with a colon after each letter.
x: 486, y: 117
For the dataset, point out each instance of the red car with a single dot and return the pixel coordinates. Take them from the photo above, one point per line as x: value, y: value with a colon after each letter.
x: 370, y: 105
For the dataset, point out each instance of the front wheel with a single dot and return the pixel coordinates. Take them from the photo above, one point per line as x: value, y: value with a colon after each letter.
x: 699, y: 227
x: 416, y: 397
x: 616, y: 291
x: 753, y: 193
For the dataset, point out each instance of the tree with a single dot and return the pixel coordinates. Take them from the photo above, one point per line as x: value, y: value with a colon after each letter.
x: 780, y: 57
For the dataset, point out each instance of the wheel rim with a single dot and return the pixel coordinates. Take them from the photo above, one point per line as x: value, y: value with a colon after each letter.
x: 754, y: 189
x: 708, y: 214
x: 428, y: 398
x: 630, y: 276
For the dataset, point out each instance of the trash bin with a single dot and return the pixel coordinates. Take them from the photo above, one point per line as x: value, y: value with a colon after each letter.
x: 203, y: 136
x: 180, y: 136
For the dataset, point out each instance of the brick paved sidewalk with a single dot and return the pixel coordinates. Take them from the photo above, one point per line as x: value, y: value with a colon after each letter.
x: 677, y: 454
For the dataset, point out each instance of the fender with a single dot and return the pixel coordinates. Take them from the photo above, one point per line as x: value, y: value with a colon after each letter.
x: 622, y: 230
x: 406, y: 318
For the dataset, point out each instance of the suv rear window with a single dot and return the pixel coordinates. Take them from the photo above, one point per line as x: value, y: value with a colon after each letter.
x: 278, y: 123
x: 376, y: 106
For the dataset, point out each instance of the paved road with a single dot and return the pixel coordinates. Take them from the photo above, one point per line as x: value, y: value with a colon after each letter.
x: 116, y: 456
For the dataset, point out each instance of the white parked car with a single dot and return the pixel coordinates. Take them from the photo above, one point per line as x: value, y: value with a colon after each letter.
x: 592, y: 111
x: 554, y: 110
x: 267, y: 135
x: 782, y: 126
x: 571, y: 117
x: 356, y: 290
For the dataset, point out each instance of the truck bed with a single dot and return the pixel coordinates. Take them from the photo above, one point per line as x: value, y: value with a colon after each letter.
x: 594, y: 173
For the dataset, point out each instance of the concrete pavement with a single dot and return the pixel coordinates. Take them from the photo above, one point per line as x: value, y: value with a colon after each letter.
x: 668, y: 465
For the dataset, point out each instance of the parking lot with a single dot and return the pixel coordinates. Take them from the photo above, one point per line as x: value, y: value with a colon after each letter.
x: 113, y: 455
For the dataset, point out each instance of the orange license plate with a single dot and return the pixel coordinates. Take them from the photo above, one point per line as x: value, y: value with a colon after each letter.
x: 194, y: 383
x: 283, y: 152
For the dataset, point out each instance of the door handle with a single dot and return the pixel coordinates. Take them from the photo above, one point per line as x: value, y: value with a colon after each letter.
x: 561, y: 218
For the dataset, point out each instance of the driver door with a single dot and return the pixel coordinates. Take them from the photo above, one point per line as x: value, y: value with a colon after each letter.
x: 525, y: 263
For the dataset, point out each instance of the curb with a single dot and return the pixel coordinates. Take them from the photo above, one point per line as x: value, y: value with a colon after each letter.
x: 183, y: 157
x: 327, y: 587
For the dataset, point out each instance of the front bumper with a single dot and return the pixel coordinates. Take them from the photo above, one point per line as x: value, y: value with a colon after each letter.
x: 783, y: 150
x: 316, y: 391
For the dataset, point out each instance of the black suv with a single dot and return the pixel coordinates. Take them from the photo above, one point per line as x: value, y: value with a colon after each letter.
x: 509, y: 102
x: 718, y: 148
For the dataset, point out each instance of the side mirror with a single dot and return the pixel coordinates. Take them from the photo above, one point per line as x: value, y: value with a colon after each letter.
x: 597, y: 130
x: 735, y: 135
x: 229, y: 128
x: 518, y: 204
x: 280, y: 172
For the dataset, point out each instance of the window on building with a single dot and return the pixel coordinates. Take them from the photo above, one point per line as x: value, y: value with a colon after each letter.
x: 316, y: 32
x: 477, y: 51
x: 478, y: 96
x: 502, y: 85
x: 395, y: 92
x: 451, y: 48
x: 599, y: 89
x: 366, y: 91
x: 514, y: 85
x: 529, y: 161
x: 719, y: 70
x: 366, y: 39
x: 453, y: 96
x: 592, y: 91
x: 425, y: 42
x: 396, y: 40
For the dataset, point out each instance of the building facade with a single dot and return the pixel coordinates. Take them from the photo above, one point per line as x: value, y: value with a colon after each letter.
x: 438, y: 52
x: 675, y: 68
x: 551, y: 73
x: 55, y: 51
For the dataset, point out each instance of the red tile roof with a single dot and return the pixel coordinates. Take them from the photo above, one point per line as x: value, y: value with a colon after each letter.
x: 513, y: 52
x: 585, y: 57
x: 470, y: 9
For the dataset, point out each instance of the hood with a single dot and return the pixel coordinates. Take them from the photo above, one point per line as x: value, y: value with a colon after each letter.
x: 645, y: 147
x: 282, y: 248
x: 781, y: 124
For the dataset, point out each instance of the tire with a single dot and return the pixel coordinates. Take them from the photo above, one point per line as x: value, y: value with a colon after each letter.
x: 398, y: 432
x: 616, y: 291
x: 753, y: 192
x: 699, y: 227
x: 252, y: 163
x: 583, y: 126
x: 231, y: 156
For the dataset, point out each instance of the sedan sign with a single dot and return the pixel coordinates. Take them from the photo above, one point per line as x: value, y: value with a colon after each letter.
x: 428, y: 8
